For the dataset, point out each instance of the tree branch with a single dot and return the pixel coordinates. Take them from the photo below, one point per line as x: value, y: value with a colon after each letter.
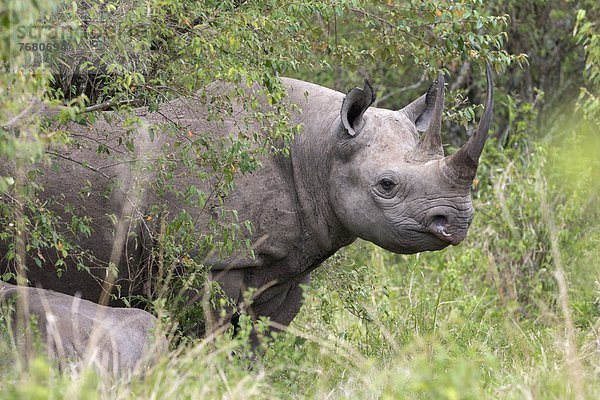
x: 109, y: 104
x: 13, y: 121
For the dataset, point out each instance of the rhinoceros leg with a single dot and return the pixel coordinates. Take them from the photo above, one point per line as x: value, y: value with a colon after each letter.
x: 231, y: 283
x: 281, y: 306
x: 280, y: 303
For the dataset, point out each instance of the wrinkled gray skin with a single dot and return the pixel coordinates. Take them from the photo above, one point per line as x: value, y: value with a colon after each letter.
x: 354, y: 171
x: 73, y: 330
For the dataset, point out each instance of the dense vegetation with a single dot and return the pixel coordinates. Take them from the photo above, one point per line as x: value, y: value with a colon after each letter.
x: 513, y: 312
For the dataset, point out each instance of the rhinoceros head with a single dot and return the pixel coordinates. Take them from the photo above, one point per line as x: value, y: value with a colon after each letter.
x: 393, y: 184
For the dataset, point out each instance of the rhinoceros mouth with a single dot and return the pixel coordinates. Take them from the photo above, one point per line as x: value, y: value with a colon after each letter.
x: 413, y: 239
x: 425, y: 242
x: 439, y: 228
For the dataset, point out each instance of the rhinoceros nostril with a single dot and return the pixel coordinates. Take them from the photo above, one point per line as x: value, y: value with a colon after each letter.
x: 439, y: 221
x: 439, y: 225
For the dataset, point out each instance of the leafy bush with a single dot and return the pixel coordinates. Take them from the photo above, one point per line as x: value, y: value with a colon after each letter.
x: 512, y: 312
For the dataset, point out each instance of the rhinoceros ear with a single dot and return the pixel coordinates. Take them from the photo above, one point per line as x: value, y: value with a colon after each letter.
x: 354, y: 106
x: 420, y: 111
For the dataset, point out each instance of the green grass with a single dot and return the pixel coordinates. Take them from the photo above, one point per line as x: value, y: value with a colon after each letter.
x: 511, y: 313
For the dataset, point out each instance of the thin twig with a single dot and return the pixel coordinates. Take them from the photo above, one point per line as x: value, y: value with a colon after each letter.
x: 394, y: 92
x: 383, y: 21
x: 13, y: 121
x: 128, y: 162
x: 83, y: 164
x: 109, y: 104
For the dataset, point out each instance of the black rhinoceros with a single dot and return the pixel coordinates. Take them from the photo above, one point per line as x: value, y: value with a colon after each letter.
x: 354, y: 171
x: 79, y: 332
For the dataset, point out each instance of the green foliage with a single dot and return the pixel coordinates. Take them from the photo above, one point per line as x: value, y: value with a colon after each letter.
x: 133, y: 54
x: 586, y: 33
x: 481, y: 320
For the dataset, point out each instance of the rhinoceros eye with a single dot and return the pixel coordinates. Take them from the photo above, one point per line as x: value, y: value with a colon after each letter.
x: 387, y: 185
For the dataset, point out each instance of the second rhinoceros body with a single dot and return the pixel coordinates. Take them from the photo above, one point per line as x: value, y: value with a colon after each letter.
x: 353, y: 171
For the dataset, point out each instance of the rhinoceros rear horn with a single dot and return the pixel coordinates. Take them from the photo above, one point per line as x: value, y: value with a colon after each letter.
x: 461, y: 166
x: 356, y: 102
x: 430, y: 143
x: 426, y: 113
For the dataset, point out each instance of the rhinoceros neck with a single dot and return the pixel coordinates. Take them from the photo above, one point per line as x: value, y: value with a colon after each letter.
x: 311, y: 157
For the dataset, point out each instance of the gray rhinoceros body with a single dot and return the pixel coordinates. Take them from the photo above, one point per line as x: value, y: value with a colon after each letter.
x: 74, y: 330
x: 353, y: 171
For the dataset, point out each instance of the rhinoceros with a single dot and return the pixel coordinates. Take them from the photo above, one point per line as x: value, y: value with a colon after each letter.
x: 353, y: 171
x: 75, y: 331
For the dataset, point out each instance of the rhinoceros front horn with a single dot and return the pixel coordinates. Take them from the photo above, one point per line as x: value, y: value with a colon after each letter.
x: 461, y: 166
